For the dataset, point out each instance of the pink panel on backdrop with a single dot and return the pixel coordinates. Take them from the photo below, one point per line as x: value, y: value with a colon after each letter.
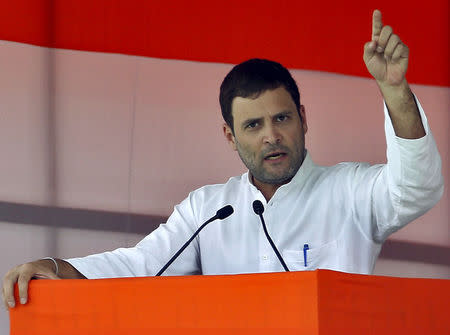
x: 176, y: 144
x: 318, y: 35
x: 25, y: 170
x: 93, y: 100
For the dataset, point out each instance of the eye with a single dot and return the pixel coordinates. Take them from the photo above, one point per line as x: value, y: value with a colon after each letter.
x: 282, y: 117
x: 251, y: 125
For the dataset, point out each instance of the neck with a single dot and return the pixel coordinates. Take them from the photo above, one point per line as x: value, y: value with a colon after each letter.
x: 268, y: 190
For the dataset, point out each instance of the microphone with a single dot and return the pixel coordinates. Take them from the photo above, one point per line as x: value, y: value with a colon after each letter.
x: 221, y: 214
x: 258, y: 208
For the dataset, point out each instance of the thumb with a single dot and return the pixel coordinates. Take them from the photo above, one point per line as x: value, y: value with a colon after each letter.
x: 369, y: 50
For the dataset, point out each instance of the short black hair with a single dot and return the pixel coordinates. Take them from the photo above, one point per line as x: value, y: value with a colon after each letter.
x: 250, y: 79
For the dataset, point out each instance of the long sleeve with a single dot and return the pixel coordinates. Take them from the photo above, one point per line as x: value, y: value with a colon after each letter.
x: 409, y: 185
x: 150, y: 254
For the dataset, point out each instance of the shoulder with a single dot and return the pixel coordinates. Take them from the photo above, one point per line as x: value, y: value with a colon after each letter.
x: 347, y: 172
x: 343, y: 168
x: 205, y: 201
x: 220, y: 191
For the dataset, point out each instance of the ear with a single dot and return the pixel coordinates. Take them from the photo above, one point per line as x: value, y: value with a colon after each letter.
x: 228, y: 133
x: 303, y: 115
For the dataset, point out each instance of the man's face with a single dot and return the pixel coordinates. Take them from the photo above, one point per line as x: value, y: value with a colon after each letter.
x: 268, y: 135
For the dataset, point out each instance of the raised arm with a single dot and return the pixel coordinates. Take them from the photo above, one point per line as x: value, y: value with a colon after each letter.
x: 386, y: 58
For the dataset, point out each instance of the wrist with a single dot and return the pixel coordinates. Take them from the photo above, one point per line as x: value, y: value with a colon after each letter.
x: 54, y: 262
x: 398, y: 97
x: 401, y: 88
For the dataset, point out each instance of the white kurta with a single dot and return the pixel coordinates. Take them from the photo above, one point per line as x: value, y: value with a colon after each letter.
x: 343, y: 212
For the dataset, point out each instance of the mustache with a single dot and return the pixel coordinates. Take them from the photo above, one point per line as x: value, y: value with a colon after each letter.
x: 272, y: 148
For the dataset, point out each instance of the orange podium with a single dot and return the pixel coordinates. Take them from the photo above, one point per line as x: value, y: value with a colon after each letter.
x: 318, y: 302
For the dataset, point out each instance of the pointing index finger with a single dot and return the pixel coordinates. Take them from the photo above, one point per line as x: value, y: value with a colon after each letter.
x: 377, y: 25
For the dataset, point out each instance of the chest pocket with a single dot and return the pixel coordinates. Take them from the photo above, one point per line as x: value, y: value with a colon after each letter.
x: 321, y: 257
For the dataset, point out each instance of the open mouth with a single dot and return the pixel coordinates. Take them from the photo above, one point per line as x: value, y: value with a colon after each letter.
x: 274, y: 156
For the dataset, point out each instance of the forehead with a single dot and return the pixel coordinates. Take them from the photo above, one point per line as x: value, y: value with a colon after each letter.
x: 269, y: 102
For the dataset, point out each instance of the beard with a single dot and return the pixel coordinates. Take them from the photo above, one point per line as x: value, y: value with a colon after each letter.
x: 255, y: 163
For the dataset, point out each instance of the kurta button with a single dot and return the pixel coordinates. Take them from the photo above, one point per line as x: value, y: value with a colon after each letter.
x: 265, y: 257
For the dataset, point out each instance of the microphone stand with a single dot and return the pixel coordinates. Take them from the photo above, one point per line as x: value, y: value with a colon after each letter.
x: 221, y: 214
x: 258, y: 208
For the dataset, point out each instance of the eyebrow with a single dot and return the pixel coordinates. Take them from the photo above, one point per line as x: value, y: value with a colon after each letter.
x: 285, y: 112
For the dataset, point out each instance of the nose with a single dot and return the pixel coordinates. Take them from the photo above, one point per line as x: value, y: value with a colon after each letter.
x: 271, y: 135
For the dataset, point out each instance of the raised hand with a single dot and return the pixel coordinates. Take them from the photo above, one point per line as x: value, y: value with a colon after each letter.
x: 386, y: 56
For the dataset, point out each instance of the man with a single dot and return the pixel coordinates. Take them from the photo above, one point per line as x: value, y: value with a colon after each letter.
x: 318, y: 217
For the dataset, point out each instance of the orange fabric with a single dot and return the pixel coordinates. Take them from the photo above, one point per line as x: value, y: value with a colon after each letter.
x: 319, y: 302
x: 325, y: 35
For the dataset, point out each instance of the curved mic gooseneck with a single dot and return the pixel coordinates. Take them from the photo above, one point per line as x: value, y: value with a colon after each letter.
x: 258, y: 208
x: 221, y: 214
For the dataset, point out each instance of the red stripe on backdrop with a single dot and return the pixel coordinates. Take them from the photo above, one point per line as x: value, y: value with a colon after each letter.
x: 317, y: 35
